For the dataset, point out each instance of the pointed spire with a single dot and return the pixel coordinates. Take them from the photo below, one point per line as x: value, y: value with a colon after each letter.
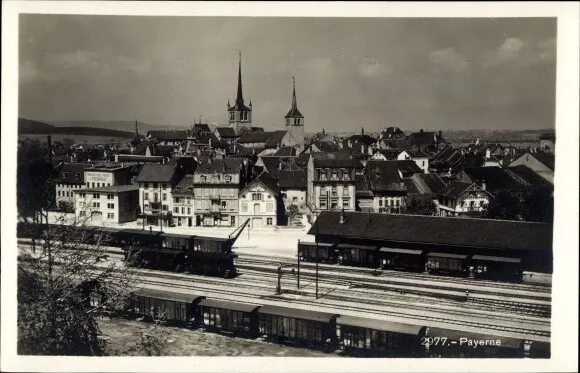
x: 240, y: 96
x: 229, y: 103
x: 294, y: 105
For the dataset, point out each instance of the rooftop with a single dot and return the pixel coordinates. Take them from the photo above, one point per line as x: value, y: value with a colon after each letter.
x: 292, y: 179
x: 480, y: 233
x: 111, y: 189
x: 156, y: 173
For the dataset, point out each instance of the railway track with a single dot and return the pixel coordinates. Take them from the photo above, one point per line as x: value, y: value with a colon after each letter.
x: 339, y: 304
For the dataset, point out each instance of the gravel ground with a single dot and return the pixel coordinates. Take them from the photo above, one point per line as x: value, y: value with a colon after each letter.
x: 184, y: 342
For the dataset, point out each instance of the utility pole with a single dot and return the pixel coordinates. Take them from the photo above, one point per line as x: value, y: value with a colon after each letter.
x: 316, y: 222
x: 279, y: 287
x: 298, y: 265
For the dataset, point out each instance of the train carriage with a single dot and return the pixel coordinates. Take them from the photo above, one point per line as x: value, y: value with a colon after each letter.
x: 400, y: 258
x: 227, y: 316
x: 367, y: 337
x: 326, y: 253
x: 496, y: 267
x: 173, y: 307
x: 302, y: 327
x: 357, y: 255
x: 447, y: 263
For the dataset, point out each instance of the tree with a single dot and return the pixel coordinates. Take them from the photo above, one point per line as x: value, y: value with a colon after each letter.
x: 505, y: 205
x: 419, y: 205
x: 534, y: 204
x: 34, y: 187
x: 63, y: 288
x: 291, y: 212
x: 538, y: 205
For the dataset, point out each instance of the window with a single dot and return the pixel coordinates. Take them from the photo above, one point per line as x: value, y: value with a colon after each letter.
x: 110, y: 215
x: 206, y: 192
x: 183, y: 210
x: 189, y: 211
x: 82, y: 195
x: 224, y: 204
x: 269, y: 221
x: 269, y: 207
x: 176, y: 200
x: 188, y: 200
x: 165, y: 208
x: 96, y: 195
x: 244, y: 207
x: 294, y: 199
x: 92, y: 185
x: 146, y: 196
x: 380, y: 202
x: 110, y: 206
x: 96, y: 204
x: 87, y: 184
x: 334, y: 204
x: 58, y: 193
x: 256, y: 196
x: 146, y: 185
x: 176, y: 210
x: 202, y: 178
x: 323, y: 204
x: 110, y: 196
x: 155, y: 185
x: 334, y: 175
x: 334, y: 191
x: 228, y: 179
x: 165, y: 196
x: 345, y: 191
x: 345, y: 204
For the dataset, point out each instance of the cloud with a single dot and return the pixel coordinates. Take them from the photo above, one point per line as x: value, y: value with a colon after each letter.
x: 370, y: 67
x: 520, y: 52
x: 448, y: 59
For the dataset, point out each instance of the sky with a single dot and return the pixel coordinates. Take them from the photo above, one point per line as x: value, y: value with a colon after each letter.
x: 429, y: 73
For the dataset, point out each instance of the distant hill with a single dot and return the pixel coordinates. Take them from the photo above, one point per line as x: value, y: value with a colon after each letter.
x: 122, y: 125
x: 27, y: 126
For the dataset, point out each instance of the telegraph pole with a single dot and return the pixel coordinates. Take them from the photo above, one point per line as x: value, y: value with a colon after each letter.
x: 298, y: 265
x: 316, y: 222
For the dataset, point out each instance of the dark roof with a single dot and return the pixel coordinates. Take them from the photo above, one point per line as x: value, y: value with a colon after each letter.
x: 231, y: 165
x: 156, y: 173
x: 168, y: 134
x: 407, y: 166
x: 326, y: 146
x: 495, y: 178
x: 163, y: 150
x: 473, y: 160
x: 272, y: 165
x: 422, y: 138
x: 453, y: 189
x: 72, y: 173
x: 139, y: 158
x: 268, y: 181
x: 528, y: 174
x: 201, y: 127
x: 229, y: 305
x: 167, y: 295
x: 275, y: 139
x: 433, y: 182
x: 249, y: 137
x: 185, y: 185
x: 111, y: 189
x: 481, y: 233
x: 384, y: 176
x: 417, y: 154
x: 389, y: 154
x: 548, y: 136
x: 362, y: 187
x: 226, y: 132
x: 411, y: 187
x: 297, y: 313
x: 381, y: 325
x: 364, y: 139
x: 286, y: 151
x: 335, y: 160
x: 546, y: 158
x: 292, y: 179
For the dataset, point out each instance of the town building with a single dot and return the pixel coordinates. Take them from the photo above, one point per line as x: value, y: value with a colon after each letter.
x: 216, y: 187
x: 107, y: 175
x: 460, y: 198
x: 240, y: 115
x: 69, y: 177
x: 331, y: 182
x: 116, y: 204
x: 183, y: 202
x: 295, y: 121
x: 270, y: 141
x: 293, y: 187
x: 386, y: 184
x: 492, y: 179
x: 226, y: 134
x: 362, y: 144
x: 548, y: 142
x: 425, y: 141
x: 541, y: 163
x: 260, y: 201
x: 167, y: 137
x: 527, y: 177
x: 156, y: 182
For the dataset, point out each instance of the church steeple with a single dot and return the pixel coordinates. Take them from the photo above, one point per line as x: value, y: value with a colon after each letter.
x: 239, y: 115
x: 294, y: 113
x: 240, y: 96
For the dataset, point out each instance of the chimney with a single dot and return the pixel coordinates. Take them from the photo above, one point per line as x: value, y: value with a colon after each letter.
x: 49, y: 140
x: 362, y: 131
x: 116, y: 158
x: 421, y: 130
x: 342, y: 217
x: 483, y: 184
x: 210, y: 142
x: 323, y: 131
x: 487, y: 153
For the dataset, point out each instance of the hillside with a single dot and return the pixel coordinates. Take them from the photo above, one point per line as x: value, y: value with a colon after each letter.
x: 124, y: 125
x: 27, y: 126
